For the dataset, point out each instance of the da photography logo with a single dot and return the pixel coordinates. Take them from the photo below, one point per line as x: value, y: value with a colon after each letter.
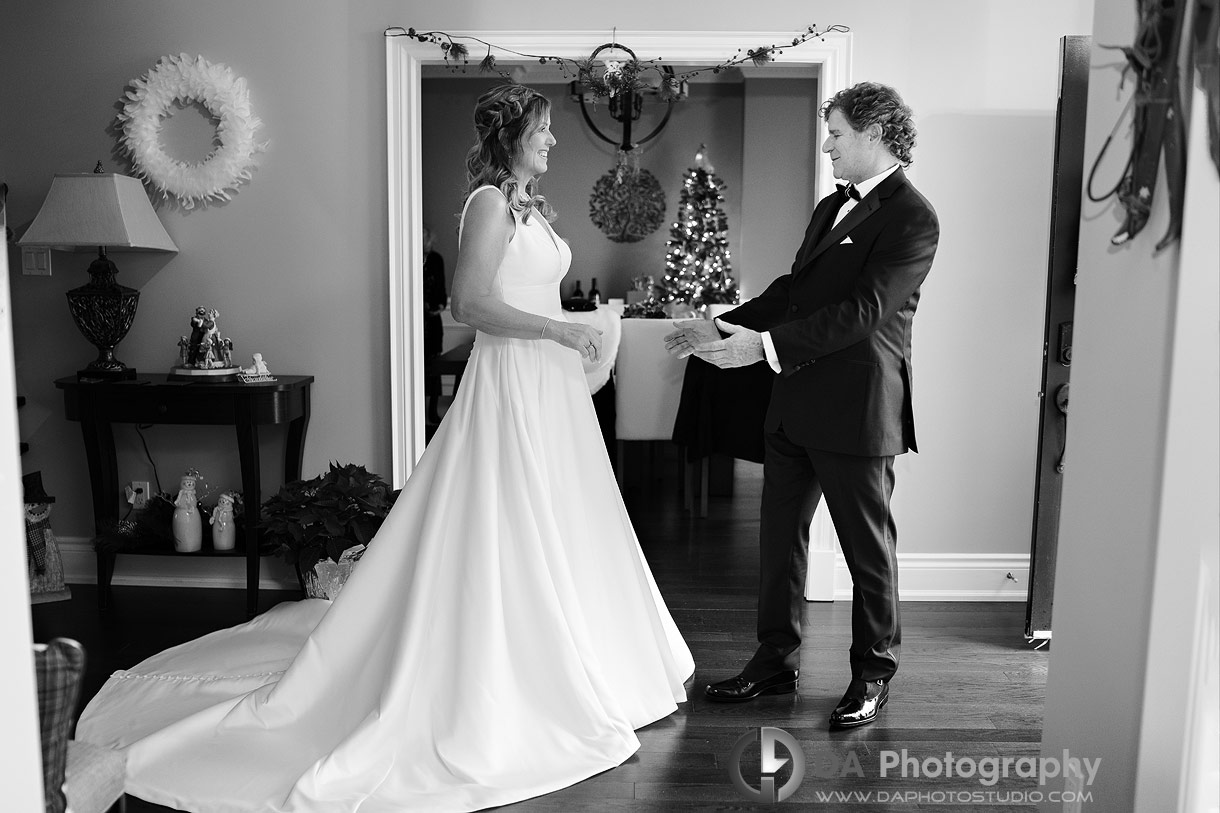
x: 771, y: 763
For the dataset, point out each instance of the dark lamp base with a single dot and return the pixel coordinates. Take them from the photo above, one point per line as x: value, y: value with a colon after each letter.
x: 121, y: 374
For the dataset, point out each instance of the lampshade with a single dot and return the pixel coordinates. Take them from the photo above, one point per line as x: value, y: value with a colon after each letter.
x: 97, y: 211
x: 85, y: 210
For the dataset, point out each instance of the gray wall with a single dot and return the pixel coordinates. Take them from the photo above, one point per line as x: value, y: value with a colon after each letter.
x: 712, y: 115
x: 296, y: 262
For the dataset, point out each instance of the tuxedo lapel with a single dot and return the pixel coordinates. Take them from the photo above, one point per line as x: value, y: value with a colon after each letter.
x: 819, y: 224
x: 862, y: 211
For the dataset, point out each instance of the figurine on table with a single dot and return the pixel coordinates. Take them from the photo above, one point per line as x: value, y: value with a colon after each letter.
x: 203, y: 328
x: 205, y: 352
x: 256, y: 373
x: 223, y: 530
x: 187, y: 524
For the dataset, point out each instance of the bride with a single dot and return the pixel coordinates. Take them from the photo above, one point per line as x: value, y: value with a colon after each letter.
x: 502, y: 637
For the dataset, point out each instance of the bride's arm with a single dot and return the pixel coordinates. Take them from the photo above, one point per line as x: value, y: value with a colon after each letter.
x: 476, y: 298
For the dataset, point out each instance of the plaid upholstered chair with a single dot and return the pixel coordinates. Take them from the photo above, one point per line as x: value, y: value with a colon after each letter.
x: 76, y: 776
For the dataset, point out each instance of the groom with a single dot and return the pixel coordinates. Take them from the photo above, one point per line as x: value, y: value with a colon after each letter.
x: 837, y: 330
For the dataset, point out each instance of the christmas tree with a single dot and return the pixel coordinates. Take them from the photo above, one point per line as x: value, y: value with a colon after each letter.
x: 698, y: 271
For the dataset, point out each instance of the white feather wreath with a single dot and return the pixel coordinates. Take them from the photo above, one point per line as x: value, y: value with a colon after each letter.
x: 181, y: 78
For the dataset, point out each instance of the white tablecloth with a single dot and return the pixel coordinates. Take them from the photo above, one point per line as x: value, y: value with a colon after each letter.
x: 648, y: 381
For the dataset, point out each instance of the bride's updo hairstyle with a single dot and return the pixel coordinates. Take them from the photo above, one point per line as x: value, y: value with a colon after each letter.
x: 504, y: 116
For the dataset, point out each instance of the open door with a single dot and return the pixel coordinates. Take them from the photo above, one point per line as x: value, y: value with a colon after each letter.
x: 1066, y: 191
x: 19, y: 699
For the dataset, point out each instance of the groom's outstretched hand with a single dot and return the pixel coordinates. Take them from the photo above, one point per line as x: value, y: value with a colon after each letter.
x: 743, y: 347
x: 689, y: 335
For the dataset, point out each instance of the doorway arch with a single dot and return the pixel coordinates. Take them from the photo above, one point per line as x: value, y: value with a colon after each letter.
x: 405, y: 59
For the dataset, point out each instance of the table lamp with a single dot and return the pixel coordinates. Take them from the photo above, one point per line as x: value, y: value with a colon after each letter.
x: 99, y: 210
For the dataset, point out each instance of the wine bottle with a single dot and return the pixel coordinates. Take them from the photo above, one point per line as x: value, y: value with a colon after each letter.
x: 578, y: 294
x: 595, y: 296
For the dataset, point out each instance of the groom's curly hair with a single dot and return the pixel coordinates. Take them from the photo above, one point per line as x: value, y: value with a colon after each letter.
x: 872, y: 103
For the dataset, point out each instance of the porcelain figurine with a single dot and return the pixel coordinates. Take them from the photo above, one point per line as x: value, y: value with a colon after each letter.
x: 187, y: 524
x: 224, y: 530
x: 257, y: 372
x: 206, y: 352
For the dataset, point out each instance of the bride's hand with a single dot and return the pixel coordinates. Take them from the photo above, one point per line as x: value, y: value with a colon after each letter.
x: 582, y: 338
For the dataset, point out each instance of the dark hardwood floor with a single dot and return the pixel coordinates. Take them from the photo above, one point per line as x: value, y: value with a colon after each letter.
x: 969, y: 685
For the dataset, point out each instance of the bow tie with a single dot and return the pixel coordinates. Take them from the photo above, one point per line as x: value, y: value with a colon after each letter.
x: 848, y: 190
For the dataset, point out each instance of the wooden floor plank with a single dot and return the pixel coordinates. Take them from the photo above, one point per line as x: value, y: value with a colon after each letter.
x: 969, y: 684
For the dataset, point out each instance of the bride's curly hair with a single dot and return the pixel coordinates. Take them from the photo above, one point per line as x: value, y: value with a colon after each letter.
x: 503, y: 116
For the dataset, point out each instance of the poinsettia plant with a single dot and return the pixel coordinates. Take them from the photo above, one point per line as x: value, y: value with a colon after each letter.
x: 320, y: 518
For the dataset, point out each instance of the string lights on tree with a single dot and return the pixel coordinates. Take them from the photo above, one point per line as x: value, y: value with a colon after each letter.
x: 698, y: 266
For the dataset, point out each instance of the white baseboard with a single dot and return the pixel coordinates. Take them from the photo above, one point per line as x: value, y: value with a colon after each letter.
x: 922, y: 576
x: 80, y: 567
x: 950, y: 577
x: 953, y: 577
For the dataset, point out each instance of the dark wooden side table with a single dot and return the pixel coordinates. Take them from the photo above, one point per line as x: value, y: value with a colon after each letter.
x: 154, y: 399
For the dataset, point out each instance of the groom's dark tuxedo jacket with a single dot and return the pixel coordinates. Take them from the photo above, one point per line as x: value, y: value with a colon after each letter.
x: 841, y: 323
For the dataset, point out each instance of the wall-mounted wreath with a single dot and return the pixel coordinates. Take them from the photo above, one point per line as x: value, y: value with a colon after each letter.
x: 181, y: 79
x: 628, y: 203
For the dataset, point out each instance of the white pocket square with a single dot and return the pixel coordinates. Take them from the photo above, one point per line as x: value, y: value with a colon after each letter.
x: 846, y: 241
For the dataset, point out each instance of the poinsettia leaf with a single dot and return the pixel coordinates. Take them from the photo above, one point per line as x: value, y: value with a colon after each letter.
x: 335, y: 547
x: 322, y: 517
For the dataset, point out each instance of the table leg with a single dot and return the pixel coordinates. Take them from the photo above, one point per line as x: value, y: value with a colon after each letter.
x: 688, y: 488
x: 705, y: 466
x: 103, y: 478
x: 295, y: 444
x: 105, y: 572
x: 247, y: 446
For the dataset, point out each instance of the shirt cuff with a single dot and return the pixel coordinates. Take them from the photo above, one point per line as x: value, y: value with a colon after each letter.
x: 769, y: 351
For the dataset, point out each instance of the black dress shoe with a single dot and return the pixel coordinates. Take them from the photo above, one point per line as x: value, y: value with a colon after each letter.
x: 861, y: 704
x: 738, y: 689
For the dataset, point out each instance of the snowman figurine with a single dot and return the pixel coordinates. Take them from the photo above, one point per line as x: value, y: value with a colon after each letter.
x: 224, y: 531
x: 187, y: 524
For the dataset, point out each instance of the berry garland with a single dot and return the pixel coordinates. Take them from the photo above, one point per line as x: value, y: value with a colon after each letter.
x: 611, y: 77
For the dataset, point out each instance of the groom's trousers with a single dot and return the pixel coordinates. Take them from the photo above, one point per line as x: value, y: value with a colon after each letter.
x: 857, y: 491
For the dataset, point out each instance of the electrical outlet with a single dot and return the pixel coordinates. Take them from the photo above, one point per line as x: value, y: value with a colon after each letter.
x: 137, y: 494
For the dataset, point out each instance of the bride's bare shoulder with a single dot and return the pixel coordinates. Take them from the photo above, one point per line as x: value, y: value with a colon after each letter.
x: 488, y: 210
x: 487, y: 199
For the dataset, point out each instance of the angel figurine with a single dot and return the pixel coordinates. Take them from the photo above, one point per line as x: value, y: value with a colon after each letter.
x: 257, y: 372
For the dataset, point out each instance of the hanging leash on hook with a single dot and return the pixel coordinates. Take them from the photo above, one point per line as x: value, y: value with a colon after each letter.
x: 1158, y: 127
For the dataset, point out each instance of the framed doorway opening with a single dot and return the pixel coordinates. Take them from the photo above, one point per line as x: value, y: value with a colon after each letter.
x: 405, y: 60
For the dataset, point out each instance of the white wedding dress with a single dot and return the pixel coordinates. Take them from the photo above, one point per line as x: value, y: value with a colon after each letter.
x: 501, y: 638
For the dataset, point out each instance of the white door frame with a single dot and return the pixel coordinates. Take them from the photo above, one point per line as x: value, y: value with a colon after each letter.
x: 405, y: 58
